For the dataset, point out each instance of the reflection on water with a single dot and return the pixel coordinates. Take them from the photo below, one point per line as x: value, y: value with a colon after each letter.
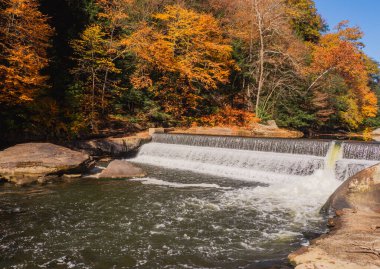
x: 173, y: 219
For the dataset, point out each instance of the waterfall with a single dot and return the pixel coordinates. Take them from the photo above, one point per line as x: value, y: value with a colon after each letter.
x: 264, y: 160
x: 280, y: 145
x: 361, y: 151
x: 356, y: 156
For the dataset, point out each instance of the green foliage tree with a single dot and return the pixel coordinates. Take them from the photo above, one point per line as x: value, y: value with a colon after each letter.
x: 93, y: 62
x: 305, y: 19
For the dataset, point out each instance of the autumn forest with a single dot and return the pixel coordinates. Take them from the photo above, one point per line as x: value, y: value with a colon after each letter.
x: 74, y: 68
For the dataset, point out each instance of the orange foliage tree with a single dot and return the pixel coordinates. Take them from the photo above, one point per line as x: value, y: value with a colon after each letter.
x: 24, y: 40
x: 228, y: 117
x: 182, y: 57
x: 340, y: 53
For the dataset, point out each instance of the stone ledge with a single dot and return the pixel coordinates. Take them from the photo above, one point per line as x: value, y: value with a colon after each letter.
x: 354, y: 239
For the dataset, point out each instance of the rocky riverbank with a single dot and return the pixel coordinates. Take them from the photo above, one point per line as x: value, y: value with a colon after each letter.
x: 257, y: 130
x: 41, y: 162
x: 354, y: 239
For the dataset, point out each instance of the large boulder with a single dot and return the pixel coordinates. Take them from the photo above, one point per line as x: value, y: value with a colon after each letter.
x: 39, y: 162
x: 354, y: 239
x: 362, y: 191
x: 119, y: 169
x: 112, y: 146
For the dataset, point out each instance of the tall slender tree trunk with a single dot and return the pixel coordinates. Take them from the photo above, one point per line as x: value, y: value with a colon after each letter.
x: 260, y: 79
x: 106, y: 74
x: 93, y: 100
x: 251, y: 51
x: 104, y: 90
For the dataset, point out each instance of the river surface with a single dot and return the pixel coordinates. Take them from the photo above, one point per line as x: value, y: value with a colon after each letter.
x: 171, y: 219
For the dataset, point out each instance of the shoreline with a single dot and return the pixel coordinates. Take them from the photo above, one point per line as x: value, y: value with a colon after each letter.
x: 353, y: 241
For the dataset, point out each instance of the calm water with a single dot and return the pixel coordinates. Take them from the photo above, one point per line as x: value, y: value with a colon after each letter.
x: 173, y: 219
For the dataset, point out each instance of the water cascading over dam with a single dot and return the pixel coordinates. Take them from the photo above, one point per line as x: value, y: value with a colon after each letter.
x: 263, y: 160
x: 355, y: 157
x: 208, y: 202
x: 282, y: 180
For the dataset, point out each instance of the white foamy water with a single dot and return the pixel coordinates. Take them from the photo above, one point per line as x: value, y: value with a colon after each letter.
x: 302, y: 196
x: 158, y: 182
x: 264, y: 167
x: 346, y: 168
x: 299, y: 184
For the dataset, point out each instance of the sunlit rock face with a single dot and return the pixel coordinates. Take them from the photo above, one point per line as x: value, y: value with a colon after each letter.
x: 354, y: 239
x: 119, y: 169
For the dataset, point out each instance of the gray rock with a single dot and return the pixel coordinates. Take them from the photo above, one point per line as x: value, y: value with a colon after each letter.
x: 39, y: 162
x: 119, y: 169
x: 112, y: 146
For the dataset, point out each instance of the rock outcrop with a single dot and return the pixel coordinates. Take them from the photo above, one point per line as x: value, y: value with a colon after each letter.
x: 376, y: 132
x: 39, y: 162
x: 272, y: 130
x: 120, y: 169
x: 354, y: 239
x: 257, y: 130
x: 112, y: 146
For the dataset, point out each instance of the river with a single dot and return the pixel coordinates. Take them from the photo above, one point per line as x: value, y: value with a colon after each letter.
x: 215, y: 206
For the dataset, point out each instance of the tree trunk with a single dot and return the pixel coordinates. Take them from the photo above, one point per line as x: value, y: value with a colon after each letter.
x: 93, y: 100
x: 261, y: 58
x: 106, y: 74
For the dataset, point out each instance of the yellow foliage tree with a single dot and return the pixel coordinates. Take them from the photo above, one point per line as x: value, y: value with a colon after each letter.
x: 113, y: 19
x: 93, y: 61
x: 181, y: 56
x: 24, y: 39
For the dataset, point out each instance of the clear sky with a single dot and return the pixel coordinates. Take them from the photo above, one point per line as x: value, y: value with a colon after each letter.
x: 362, y: 13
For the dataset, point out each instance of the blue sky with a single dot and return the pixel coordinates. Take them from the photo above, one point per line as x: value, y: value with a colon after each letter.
x: 362, y: 13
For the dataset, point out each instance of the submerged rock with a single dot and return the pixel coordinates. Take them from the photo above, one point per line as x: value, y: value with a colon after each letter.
x: 39, y: 162
x: 119, y: 169
x: 354, y: 241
